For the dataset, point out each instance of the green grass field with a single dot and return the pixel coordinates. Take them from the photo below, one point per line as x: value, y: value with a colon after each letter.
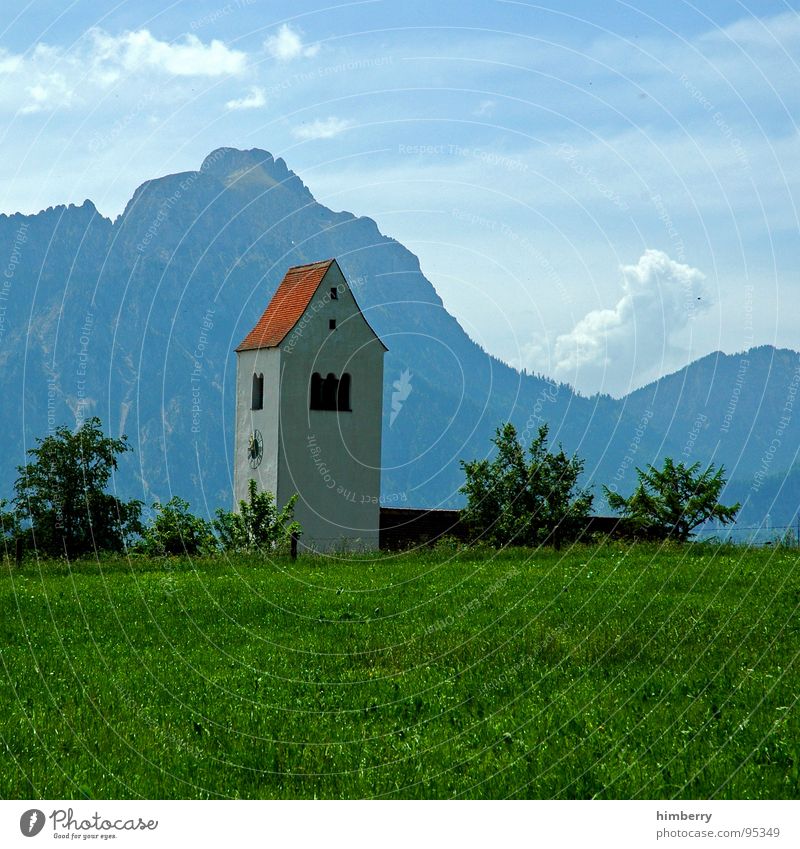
x: 606, y: 671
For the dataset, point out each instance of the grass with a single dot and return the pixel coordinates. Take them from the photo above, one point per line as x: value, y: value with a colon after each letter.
x: 606, y: 671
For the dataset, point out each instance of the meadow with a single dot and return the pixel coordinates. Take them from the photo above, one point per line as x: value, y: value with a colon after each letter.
x: 608, y: 671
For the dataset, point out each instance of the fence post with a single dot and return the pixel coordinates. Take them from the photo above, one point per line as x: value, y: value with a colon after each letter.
x: 294, y: 545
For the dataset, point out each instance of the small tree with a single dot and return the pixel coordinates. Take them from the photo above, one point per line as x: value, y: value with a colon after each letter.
x: 670, y: 503
x: 524, y: 500
x: 177, y: 531
x: 9, y: 530
x: 258, y: 525
x: 61, y: 494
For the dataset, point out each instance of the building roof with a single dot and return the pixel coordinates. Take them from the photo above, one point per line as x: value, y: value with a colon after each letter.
x: 287, y: 306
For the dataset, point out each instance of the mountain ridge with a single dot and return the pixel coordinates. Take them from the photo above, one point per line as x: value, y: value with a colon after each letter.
x: 209, y: 247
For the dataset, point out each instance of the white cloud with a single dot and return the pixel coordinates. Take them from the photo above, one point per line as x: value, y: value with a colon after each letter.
x: 485, y: 107
x: 49, y: 77
x: 288, y: 45
x: 609, y: 349
x: 38, y: 97
x: 770, y: 31
x: 139, y: 49
x: 320, y: 129
x: 255, y: 99
x: 8, y: 62
x: 51, y: 91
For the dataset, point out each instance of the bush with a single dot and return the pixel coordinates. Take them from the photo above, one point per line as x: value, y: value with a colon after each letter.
x: 176, y: 531
x: 61, y: 494
x: 670, y: 503
x: 512, y: 500
x: 259, y: 525
x: 9, y: 530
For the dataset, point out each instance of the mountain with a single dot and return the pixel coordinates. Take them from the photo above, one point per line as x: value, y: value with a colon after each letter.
x: 741, y: 411
x: 135, y: 320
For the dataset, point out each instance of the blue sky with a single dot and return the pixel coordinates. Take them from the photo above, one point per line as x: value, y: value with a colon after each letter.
x: 600, y: 192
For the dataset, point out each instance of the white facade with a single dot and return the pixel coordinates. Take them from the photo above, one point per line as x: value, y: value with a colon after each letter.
x: 330, y: 457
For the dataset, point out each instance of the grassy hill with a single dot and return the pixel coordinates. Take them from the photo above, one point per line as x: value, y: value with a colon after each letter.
x: 609, y: 671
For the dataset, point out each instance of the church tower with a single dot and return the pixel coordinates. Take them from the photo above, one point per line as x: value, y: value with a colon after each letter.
x: 309, y: 392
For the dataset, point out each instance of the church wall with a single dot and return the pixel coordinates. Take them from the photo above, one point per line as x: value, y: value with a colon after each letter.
x: 265, y: 361
x: 332, y: 459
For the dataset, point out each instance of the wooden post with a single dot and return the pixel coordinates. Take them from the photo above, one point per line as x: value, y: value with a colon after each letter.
x: 294, y: 545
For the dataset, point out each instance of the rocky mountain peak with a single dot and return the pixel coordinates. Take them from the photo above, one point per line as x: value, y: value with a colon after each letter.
x: 248, y: 169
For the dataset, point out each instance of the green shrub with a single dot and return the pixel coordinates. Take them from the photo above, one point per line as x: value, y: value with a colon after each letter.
x: 669, y: 503
x: 176, y: 531
x: 62, y: 498
x: 524, y: 497
x: 9, y: 530
x: 258, y: 525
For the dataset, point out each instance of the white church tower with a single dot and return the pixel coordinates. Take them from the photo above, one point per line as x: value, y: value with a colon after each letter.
x: 309, y: 392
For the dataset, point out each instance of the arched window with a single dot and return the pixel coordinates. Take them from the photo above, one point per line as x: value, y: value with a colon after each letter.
x: 258, y: 392
x: 315, y: 398
x: 329, y: 392
x: 343, y: 395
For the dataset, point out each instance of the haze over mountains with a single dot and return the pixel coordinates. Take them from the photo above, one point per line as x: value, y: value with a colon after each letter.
x: 136, y: 320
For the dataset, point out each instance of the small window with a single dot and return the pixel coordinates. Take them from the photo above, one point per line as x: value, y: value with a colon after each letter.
x: 343, y: 394
x: 315, y: 401
x: 258, y: 392
x: 330, y: 391
x: 332, y: 324
x: 334, y: 294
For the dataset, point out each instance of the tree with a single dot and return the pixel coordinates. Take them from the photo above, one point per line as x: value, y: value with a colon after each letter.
x: 514, y: 499
x: 62, y: 497
x: 9, y: 529
x: 258, y: 525
x: 177, y: 531
x: 670, y: 503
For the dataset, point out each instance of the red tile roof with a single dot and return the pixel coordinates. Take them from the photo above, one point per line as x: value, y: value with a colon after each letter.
x: 287, y: 305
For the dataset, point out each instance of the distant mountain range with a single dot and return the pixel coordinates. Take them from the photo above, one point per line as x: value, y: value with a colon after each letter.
x: 109, y: 318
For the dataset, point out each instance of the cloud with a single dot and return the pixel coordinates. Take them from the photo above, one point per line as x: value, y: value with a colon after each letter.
x: 608, y: 347
x: 288, y: 45
x: 254, y: 100
x: 770, y: 31
x: 51, y: 91
x: 320, y: 129
x: 485, y: 107
x: 188, y: 57
x: 50, y: 77
x: 9, y: 62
